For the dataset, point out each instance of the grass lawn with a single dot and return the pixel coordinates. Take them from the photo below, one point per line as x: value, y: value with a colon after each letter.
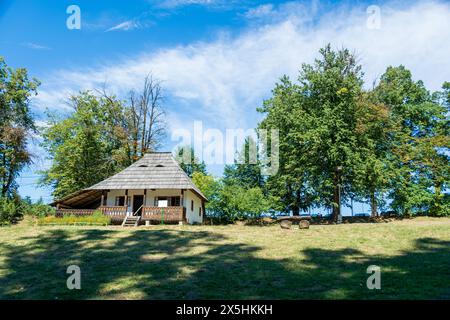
x: 228, y: 262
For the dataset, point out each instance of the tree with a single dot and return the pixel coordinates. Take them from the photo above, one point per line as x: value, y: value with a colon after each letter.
x: 146, y: 118
x: 16, y: 124
x: 317, y: 119
x: 433, y: 152
x: 373, y: 174
x: 246, y: 171
x: 206, y: 183
x: 235, y: 202
x: 291, y: 184
x: 210, y: 187
x: 101, y: 137
x: 187, y: 160
x: 418, y: 138
x: 86, y: 147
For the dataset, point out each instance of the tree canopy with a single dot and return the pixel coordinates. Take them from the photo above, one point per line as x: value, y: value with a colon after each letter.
x: 16, y: 124
x: 339, y: 141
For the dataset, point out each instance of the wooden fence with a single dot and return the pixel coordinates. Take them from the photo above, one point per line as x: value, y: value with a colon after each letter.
x: 113, y: 212
x: 157, y: 214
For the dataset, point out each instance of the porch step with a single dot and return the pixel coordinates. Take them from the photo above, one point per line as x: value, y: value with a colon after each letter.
x: 131, y: 221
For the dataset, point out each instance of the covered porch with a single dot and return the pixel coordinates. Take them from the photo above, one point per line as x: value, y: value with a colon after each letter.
x: 152, y: 205
x: 153, y: 214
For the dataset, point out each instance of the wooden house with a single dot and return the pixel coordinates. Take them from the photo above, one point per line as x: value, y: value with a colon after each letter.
x: 153, y: 189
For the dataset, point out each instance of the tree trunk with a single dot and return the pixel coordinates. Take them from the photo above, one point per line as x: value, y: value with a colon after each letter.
x: 295, y: 211
x: 352, y: 205
x: 436, y: 205
x: 373, y: 204
x: 336, y: 200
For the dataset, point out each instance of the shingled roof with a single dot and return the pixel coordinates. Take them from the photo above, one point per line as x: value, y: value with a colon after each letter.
x: 156, y: 170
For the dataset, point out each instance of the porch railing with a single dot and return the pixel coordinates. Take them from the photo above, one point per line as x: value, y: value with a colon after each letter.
x: 109, y: 211
x: 74, y: 212
x: 114, y: 212
x: 171, y: 214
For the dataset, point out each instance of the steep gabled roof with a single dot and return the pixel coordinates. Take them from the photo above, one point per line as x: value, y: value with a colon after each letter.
x: 156, y: 170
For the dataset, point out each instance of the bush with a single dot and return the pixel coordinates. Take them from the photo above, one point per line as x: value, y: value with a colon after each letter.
x: 97, y: 218
x: 237, y: 203
x: 38, y: 209
x: 9, y: 211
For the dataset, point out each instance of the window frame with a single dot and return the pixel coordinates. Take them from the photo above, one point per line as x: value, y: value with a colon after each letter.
x: 118, y: 200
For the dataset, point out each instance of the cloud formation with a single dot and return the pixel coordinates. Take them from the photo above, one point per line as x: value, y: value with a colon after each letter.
x: 35, y: 46
x: 125, y: 26
x: 179, y: 3
x: 223, y: 81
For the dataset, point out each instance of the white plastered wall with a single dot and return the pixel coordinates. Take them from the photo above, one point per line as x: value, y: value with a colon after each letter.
x: 192, y: 216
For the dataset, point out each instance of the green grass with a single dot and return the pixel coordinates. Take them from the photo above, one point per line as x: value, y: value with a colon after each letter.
x: 227, y: 262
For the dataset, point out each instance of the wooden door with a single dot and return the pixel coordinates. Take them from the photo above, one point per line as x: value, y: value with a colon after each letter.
x: 138, y: 201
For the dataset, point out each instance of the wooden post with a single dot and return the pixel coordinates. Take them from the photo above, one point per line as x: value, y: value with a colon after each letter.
x: 126, y: 202
x: 182, y: 205
x: 145, y: 197
x: 203, y: 211
x: 102, y: 204
x: 182, y: 198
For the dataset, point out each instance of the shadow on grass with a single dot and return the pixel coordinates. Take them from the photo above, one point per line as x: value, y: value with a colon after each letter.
x: 176, y: 264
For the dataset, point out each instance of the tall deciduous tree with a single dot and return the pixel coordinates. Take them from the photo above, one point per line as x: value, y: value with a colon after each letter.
x: 291, y: 183
x: 16, y: 124
x: 102, y: 136
x: 187, y: 160
x: 146, y: 118
x: 417, y: 139
x: 246, y: 171
x: 317, y: 119
x: 85, y: 147
x: 374, y: 172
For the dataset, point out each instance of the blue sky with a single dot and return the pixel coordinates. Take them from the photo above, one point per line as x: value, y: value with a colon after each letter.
x: 218, y: 60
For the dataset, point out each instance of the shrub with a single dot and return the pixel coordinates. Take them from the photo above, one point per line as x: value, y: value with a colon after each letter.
x: 97, y: 218
x: 238, y: 203
x: 9, y: 211
x: 38, y: 209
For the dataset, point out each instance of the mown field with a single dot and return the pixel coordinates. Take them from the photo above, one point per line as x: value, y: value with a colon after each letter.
x: 228, y: 262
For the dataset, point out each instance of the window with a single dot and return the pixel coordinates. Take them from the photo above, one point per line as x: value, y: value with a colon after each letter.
x: 171, y: 201
x: 120, y: 201
x: 159, y: 166
x: 174, y: 201
x: 192, y: 205
x: 157, y: 199
x: 199, y: 211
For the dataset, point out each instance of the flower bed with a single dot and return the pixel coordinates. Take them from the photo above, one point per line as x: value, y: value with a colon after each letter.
x: 92, y: 220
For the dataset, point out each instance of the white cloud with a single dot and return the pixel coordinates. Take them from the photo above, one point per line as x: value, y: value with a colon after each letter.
x: 179, y: 3
x: 35, y: 46
x: 125, y: 26
x: 261, y: 11
x: 222, y: 82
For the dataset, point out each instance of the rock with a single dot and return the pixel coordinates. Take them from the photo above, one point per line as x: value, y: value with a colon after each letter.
x: 303, y: 224
x: 285, y: 224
